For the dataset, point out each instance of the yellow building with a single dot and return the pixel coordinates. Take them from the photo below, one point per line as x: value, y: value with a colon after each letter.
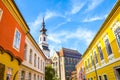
x: 102, y: 57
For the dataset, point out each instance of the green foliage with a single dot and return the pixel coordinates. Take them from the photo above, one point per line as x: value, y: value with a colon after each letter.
x: 56, y: 78
x: 49, y: 73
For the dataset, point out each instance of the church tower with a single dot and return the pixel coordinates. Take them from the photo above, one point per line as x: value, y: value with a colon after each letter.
x: 43, y: 40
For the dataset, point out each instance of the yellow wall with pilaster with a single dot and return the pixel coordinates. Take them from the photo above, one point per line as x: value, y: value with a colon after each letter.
x: 6, y: 60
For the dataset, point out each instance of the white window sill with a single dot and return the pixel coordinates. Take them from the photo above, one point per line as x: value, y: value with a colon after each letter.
x: 111, y: 57
x: 103, y: 62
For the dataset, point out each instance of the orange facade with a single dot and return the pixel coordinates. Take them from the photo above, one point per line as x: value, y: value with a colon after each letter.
x: 80, y: 70
x: 8, y: 25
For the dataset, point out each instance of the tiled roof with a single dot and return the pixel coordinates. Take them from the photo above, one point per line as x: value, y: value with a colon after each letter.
x: 70, y: 53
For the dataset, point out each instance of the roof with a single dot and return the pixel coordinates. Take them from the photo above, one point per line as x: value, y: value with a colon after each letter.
x: 57, y: 53
x: 70, y: 53
x: 103, y: 25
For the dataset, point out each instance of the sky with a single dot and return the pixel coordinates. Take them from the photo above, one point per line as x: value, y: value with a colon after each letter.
x: 69, y: 23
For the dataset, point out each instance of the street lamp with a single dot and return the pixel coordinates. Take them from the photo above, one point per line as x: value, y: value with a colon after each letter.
x: 95, y: 68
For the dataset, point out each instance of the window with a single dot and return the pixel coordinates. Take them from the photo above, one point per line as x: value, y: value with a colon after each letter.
x: 30, y: 56
x: 29, y: 76
x: 9, y: 74
x: 91, y: 78
x: 38, y: 77
x: 25, y: 51
x: 35, y: 60
x: 22, y: 75
x: 100, y: 78
x: 44, y: 39
x: 2, y: 71
x: 95, y: 55
x: 16, y: 43
x: 108, y: 47
x: 43, y: 67
x: 38, y: 62
x: 41, y: 77
x: 1, y: 12
x: 117, y: 34
x: 41, y: 64
x: 105, y: 77
x: 88, y: 63
x: 92, y: 61
x: 100, y: 52
x: 34, y: 76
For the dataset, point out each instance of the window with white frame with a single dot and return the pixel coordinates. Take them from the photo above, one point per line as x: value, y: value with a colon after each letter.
x: 38, y: 62
x: 117, y: 34
x: 38, y: 77
x: 41, y: 64
x: 108, y: 47
x: 35, y: 60
x: 88, y: 63
x: 95, y: 55
x: 9, y: 74
x: 1, y: 12
x: 92, y: 61
x: 100, y: 52
x: 43, y: 67
x: 100, y: 78
x: 29, y: 76
x: 22, y: 75
x: 116, y: 29
x: 25, y: 51
x: 16, y: 42
x: 91, y: 78
x: 34, y: 76
x: 105, y: 77
x: 30, y: 56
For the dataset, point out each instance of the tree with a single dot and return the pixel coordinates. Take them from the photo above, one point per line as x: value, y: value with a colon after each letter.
x: 49, y: 73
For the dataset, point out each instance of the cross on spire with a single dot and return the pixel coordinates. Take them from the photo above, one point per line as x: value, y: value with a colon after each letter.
x: 43, y: 30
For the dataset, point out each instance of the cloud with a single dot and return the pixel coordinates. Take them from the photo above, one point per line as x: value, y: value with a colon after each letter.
x: 51, y: 14
x: 76, y: 7
x: 82, y: 34
x: 93, y: 4
x: 79, y: 34
x: 94, y: 18
x: 48, y: 15
x: 57, y: 37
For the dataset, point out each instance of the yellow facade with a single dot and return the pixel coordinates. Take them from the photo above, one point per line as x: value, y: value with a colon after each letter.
x: 11, y: 63
x: 108, y: 36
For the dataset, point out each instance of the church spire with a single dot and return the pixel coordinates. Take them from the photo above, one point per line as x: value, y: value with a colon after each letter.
x: 43, y: 40
x: 43, y: 30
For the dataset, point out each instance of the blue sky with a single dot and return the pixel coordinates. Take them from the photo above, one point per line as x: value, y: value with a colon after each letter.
x: 70, y: 23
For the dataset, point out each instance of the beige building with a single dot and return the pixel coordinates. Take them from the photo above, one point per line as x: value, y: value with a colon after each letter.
x: 56, y: 63
x: 64, y: 62
x: 33, y: 66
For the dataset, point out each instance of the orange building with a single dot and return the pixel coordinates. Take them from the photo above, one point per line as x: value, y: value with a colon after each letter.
x: 12, y: 39
x: 80, y: 70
